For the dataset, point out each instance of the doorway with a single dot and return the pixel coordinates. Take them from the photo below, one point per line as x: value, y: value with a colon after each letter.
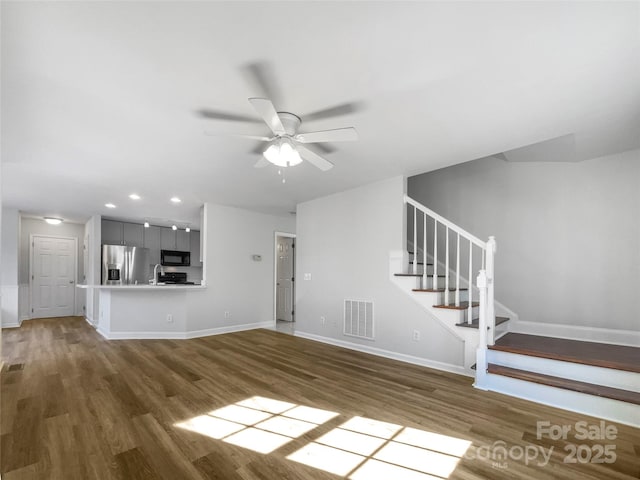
x: 284, y: 292
x: 53, y: 276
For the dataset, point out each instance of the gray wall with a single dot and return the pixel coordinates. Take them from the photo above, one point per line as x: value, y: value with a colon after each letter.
x: 235, y: 282
x: 344, y: 241
x: 568, y: 233
x: 9, y: 267
x: 31, y: 226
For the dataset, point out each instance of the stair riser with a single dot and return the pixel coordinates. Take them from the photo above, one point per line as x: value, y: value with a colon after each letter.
x: 599, y: 407
x: 573, y: 371
x: 455, y: 316
x: 441, y: 282
x: 439, y: 297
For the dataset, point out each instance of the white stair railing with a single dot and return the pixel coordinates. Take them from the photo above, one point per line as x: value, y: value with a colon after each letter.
x: 484, y: 255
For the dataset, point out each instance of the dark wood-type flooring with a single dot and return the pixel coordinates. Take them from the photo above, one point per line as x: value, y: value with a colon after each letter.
x: 75, y: 406
x: 588, y: 353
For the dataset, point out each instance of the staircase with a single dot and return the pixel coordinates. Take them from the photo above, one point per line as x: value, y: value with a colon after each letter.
x: 437, y: 272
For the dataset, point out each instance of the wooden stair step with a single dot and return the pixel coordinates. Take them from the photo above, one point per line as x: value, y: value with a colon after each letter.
x: 415, y: 275
x: 574, y: 385
x: 476, y: 322
x: 606, y: 355
x: 436, y: 290
x: 462, y: 306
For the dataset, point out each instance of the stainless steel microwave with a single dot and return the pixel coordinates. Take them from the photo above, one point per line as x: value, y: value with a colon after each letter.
x: 175, y: 258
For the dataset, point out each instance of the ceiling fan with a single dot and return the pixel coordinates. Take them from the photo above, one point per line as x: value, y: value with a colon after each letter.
x: 286, y: 146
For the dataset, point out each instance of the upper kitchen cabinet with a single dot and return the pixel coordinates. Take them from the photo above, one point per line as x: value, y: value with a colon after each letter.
x: 111, y: 232
x: 133, y: 234
x: 167, y: 239
x: 152, y: 242
x: 196, y: 257
x: 122, y: 233
x: 183, y: 243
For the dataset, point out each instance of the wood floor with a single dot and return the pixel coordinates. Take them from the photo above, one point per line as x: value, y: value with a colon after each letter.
x: 588, y: 353
x: 75, y: 406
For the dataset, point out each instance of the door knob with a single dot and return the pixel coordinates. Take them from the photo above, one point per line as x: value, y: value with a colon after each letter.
x: 70, y: 281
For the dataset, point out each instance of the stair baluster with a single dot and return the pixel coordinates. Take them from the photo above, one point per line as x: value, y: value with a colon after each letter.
x: 435, y: 254
x: 415, y: 240
x: 470, y: 310
x: 424, y: 251
x: 446, y: 267
x: 457, y: 299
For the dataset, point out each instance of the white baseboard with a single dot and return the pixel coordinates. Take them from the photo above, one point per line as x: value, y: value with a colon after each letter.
x: 230, y: 329
x: 600, y: 407
x: 12, y: 325
x: 423, y: 362
x: 629, y: 338
x: 181, y: 335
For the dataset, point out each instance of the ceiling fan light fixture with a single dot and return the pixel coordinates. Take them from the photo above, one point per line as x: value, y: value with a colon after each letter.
x: 283, y: 154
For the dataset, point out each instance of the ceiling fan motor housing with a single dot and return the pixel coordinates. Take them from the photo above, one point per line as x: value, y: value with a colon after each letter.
x: 290, y: 122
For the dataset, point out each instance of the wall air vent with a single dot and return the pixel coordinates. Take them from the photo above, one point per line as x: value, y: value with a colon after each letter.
x: 358, y: 319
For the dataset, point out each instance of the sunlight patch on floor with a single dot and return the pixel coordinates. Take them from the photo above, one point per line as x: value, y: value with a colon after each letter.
x: 258, y: 440
x: 258, y: 423
x: 359, y: 449
x: 364, y: 448
x: 325, y: 458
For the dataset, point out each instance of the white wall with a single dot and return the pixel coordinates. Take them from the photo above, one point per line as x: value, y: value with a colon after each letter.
x: 568, y: 233
x: 33, y: 226
x: 344, y: 241
x: 9, y: 270
x: 235, y: 282
x: 92, y: 267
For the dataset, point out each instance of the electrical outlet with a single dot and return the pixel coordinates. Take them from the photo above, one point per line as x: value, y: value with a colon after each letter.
x: 323, y: 320
x: 307, y: 276
x: 169, y: 318
x: 416, y: 335
x: 227, y: 314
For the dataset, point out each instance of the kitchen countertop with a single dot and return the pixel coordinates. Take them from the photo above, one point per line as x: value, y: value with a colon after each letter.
x: 145, y: 287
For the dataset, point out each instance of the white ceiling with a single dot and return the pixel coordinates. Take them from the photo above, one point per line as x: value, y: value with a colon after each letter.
x: 99, y: 99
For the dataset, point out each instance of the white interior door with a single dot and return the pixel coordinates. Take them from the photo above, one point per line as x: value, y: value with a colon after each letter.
x: 53, y: 266
x: 285, y: 278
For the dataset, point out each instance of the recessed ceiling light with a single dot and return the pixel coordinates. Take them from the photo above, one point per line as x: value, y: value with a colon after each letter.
x: 175, y: 200
x: 53, y: 220
x: 173, y: 227
x: 109, y: 205
x: 146, y: 224
x: 187, y: 229
x: 134, y: 196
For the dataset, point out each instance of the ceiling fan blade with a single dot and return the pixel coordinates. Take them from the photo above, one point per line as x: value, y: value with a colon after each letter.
x: 220, y: 115
x: 262, y: 79
x: 239, y: 135
x: 336, y: 111
x: 324, y: 147
x: 314, y: 159
x: 336, y: 135
x: 263, y: 162
x: 267, y: 111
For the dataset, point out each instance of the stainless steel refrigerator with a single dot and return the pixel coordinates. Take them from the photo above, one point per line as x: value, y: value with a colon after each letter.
x: 125, y: 265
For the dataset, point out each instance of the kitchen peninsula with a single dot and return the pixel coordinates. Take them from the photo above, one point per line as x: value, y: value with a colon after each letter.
x: 146, y: 311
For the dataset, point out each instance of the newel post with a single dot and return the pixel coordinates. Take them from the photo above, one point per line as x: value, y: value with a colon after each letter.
x: 481, y: 353
x: 491, y: 309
